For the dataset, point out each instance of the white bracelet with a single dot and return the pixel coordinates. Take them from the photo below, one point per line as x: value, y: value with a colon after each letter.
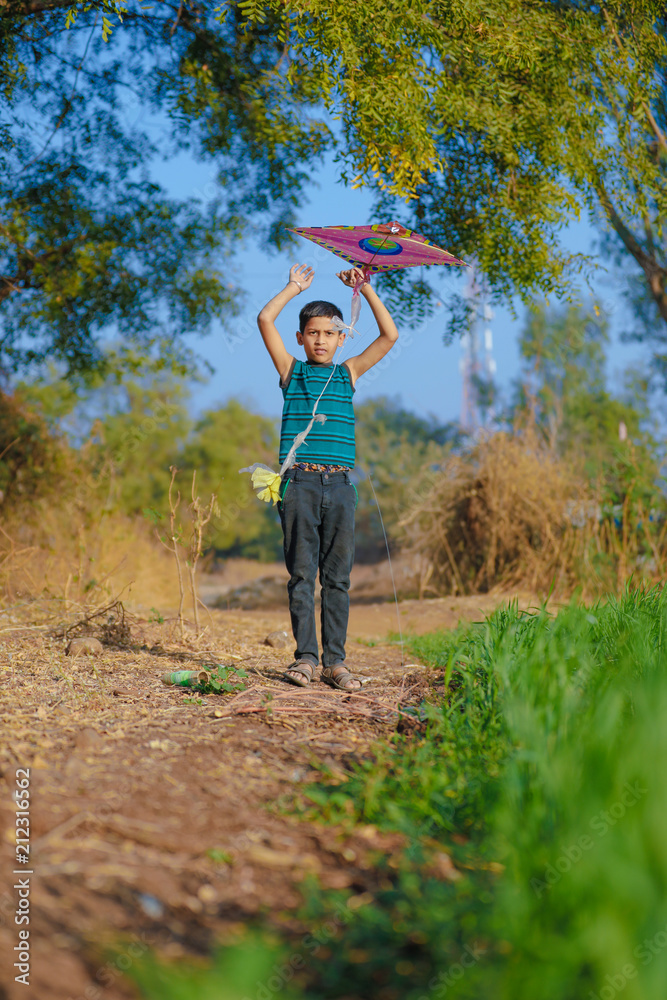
x: 300, y: 286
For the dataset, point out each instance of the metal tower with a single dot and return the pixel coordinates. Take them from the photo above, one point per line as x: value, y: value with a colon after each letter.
x: 477, y: 365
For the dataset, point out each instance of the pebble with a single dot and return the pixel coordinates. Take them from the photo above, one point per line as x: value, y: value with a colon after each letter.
x: 207, y: 894
x: 84, y: 646
x: 88, y: 739
x: 278, y: 640
x: 151, y: 906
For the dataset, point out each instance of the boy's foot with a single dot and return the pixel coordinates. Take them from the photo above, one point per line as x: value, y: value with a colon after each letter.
x: 300, y: 673
x: 340, y: 677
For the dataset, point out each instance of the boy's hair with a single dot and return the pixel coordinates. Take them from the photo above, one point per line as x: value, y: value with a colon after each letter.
x: 317, y: 308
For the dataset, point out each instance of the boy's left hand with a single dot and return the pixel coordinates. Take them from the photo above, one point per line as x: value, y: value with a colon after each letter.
x: 352, y: 277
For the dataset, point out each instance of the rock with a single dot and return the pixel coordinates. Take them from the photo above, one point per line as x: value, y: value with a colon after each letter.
x: 207, y: 894
x: 151, y: 906
x: 88, y: 739
x: 278, y: 640
x: 84, y: 646
x: 268, y: 858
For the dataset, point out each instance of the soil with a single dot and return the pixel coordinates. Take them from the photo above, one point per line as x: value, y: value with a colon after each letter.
x: 155, y: 816
x: 244, y: 583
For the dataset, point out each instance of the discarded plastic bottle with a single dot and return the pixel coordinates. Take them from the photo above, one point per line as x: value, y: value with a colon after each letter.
x: 186, y: 678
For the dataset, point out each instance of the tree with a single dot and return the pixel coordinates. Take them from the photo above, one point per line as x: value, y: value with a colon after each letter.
x: 500, y: 122
x: 34, y: 459
x: 564, y: 357
x: 563, y: 392
x: 127, y: 429
x: 224, y: 441
x: 87, y: 241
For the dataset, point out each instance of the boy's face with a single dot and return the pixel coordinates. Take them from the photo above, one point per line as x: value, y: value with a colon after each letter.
x: 320, y: 339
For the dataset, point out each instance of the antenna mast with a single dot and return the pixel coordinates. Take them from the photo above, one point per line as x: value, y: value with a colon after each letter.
x: 477, y: 364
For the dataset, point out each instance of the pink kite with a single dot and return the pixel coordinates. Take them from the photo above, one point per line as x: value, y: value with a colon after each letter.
x: 378, y: 248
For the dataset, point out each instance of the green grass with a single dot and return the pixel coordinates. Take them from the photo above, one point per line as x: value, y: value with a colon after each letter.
x: 541, y: 772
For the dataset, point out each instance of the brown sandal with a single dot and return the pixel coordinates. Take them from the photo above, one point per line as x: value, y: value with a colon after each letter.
x: 299, y: 667
x: 339, y: 677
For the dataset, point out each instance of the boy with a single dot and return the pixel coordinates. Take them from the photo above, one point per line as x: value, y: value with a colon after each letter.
x: 317, y: 498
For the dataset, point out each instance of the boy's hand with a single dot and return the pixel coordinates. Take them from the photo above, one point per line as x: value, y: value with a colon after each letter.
x: 352, y: 277
x: 302, y: 275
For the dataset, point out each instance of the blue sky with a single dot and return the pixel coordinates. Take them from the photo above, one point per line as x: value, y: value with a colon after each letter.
x: 423, y: 373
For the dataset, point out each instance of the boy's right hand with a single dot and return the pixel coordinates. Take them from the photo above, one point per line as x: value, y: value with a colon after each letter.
x: 302, y: 275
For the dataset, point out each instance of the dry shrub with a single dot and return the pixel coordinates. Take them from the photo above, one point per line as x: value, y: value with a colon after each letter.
x: 32, y: 458
x: 60, y: 538
x: 83, y: 557
x: 511, y: 515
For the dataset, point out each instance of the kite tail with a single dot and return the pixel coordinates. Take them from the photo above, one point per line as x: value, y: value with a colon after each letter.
x: 347, y: 328
x: 264, y: 479
x: 356, y: 298
x: 318, y: 418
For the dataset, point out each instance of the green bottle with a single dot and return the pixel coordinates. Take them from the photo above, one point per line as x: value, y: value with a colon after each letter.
x: 186, y: 678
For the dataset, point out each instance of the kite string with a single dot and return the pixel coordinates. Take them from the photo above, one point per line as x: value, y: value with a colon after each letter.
x: 391, y: 569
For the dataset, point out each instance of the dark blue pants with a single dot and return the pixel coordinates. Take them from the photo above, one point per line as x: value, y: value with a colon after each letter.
x: 317, y: 516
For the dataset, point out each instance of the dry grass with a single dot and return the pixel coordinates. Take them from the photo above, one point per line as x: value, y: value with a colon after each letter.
x: 80, y: 557
x: 511, y: 515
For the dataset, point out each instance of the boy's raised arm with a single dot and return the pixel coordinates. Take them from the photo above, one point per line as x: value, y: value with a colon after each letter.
x: 388, y: 332
x: 300, y: 277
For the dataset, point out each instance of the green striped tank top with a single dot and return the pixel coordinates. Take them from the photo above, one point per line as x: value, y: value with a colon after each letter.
x: 330, y: 443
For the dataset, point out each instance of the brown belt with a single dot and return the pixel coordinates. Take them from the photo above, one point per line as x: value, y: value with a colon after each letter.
x: 313, y: 467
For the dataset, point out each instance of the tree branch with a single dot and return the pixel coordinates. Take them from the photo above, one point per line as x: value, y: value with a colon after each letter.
x: 34, y: 6
x: 656, y: 276
x: 68, y: 102
x: 657, y: 131
x: 29, y: 261
x: 8, y: 286
x: 178, y: 17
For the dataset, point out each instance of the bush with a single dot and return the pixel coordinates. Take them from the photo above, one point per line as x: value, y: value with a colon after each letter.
x: 512, y: 514
x: 60, y: 536
x: 32, y: 458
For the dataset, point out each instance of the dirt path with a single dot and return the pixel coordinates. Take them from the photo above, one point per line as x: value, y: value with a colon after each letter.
x: 153, y: 817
